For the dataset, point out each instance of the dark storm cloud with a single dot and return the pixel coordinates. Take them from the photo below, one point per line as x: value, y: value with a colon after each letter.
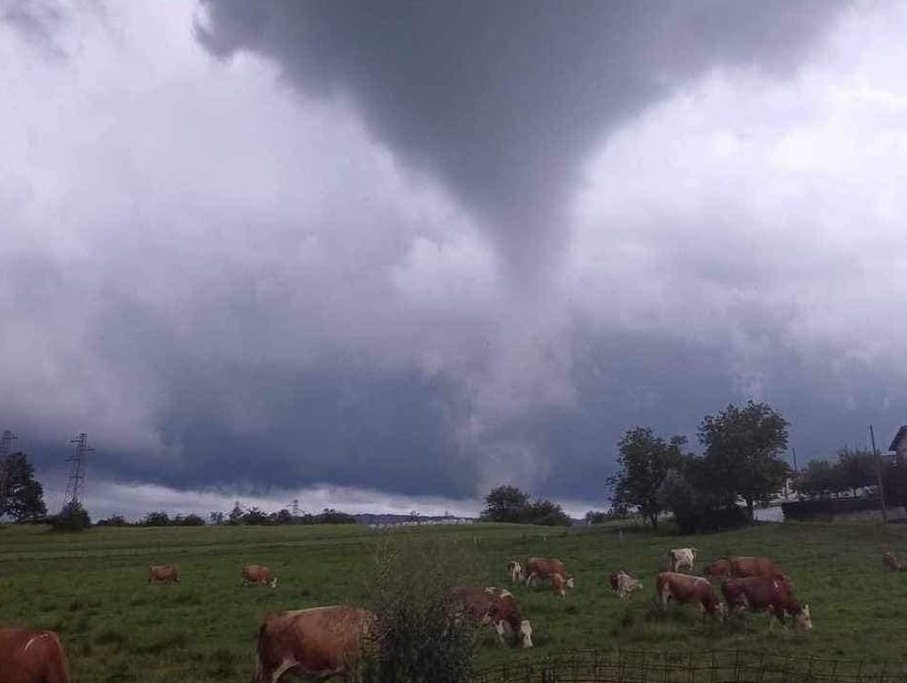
x: 503, y: 100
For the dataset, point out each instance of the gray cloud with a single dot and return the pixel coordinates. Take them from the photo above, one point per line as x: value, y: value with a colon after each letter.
x: 504, y: 100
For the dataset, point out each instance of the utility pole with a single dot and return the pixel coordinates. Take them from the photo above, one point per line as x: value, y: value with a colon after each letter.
x: 878, y: 460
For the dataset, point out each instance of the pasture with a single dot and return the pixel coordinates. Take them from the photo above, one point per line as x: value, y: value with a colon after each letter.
x: 92, y: 588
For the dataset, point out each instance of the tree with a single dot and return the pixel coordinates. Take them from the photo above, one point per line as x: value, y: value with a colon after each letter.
x: 216, y: 517
x: 159, y: 518
x: 23, y: 498
x: 644, y: 460
x: 857, y: 468
x: 254, y: 516
x: 73, y: 517
x: 697, y: 508
x: 505, y: 504
x: 114, y: 520
x: 742, y: 452
x: 236, y: 514
x: 816, y: 479
x: 546, y: 513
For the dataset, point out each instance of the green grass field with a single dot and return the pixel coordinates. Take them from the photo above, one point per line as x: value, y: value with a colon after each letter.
x: 92, y: 588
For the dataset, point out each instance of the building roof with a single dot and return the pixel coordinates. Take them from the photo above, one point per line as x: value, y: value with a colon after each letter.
x: 898, y: 438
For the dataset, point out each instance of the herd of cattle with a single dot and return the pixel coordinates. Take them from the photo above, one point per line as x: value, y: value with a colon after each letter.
x: 324, y: 641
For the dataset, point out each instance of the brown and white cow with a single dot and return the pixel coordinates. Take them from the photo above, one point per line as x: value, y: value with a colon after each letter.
x: 313, y: 643
x: 681, y: 558
x: 683, y: 588
x: 890, y: 562
x: 28, y: 656
x: 546, y: 570
x: 163, y: 573
x: 759, y: 593
x: 719, y: 569
x: 623, y: 584
x: 258, y: 574
x: 495, y: 607
x: 515, y: 569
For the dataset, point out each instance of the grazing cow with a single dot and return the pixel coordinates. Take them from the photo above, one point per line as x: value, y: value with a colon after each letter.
x: 495, y: 607
x: 28, y: 656
x: 719, y: 569
x: 684, y: 588
x: 891, y: 562
x: 623, y: 584
x: 681, y: 558
x: 515, y: 569
x: 742, y: 567
x: 258, y: 574
x: 163, y: 573
x: 546, y: 569
x: 760, y: 593
x: 313, y: 643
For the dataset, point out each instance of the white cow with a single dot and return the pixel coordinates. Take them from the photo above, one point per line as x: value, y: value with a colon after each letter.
x: 681, y: 558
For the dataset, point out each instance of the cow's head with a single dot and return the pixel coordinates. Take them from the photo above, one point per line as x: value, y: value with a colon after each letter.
x: 516, y: 571
x: 570, y: 583
x: 803, y: 620
x: 525, y: 636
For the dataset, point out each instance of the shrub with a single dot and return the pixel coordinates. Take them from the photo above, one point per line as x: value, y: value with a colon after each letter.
x: 419, y: 637
x: 72, y: 517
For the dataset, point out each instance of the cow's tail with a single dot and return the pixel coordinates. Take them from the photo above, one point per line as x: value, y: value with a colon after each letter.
x: 258, y: 676
x: 58, y: 666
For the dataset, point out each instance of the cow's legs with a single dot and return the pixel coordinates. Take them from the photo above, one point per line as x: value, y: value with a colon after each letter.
x: 285, y: 665
x: 499, y: 627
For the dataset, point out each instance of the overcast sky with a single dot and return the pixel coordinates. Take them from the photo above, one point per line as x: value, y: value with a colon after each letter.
x: 385, y: 256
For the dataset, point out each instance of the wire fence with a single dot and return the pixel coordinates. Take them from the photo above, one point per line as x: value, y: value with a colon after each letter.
x: 689, y: 667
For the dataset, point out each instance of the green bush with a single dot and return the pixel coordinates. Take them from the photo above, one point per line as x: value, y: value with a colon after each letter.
x: 419, y: 637
x: 72, y: 517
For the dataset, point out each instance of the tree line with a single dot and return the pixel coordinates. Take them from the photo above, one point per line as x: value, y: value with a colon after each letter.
x: 238, y: 516
x: 741, y: 459
x: 22, y: 501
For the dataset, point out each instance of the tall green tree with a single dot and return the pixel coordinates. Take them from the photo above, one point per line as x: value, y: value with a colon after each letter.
x: 505, y: 504
x: 743, y: 448
x: 644, y: 460
x: 23, y: 495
